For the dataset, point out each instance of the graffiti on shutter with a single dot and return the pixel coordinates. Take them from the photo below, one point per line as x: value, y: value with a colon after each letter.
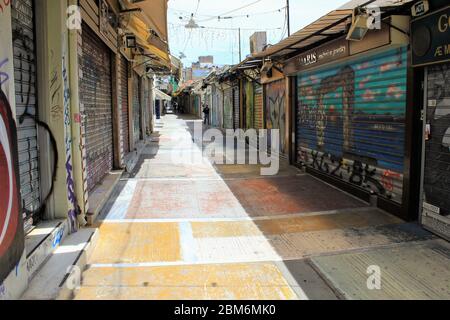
x: 22, y: 12
x: 437, y: 147
x: 275, y: 110
x: 97, y: 100
x: 351, y: 121
x: 11, y: 228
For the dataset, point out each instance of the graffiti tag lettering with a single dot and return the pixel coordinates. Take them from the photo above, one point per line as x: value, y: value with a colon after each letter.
x: 4, y: 77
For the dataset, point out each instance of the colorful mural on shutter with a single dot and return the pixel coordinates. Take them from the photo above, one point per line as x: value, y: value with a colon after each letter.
x: 275, y: 110
x: 228, y: 108
x: 437, y: 146
x: 351, y: 121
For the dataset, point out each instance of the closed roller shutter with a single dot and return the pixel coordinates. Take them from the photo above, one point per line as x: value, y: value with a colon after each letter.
x: 275, y: 112
x: 249, y: 105
x: 96, y: 94
x: 22, y: 12
x: 124, y: 105
x: 351, y: 121
x: 228, y: 108
x: 236, y: 107
x: 136, y: 108
x: 259, y: 122
x: 436, y: 207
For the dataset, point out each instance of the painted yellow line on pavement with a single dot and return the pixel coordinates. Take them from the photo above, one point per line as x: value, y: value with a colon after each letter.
x: 254, y: 281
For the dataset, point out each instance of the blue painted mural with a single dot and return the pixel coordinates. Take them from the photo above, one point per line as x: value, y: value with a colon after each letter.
x: 351, y: 121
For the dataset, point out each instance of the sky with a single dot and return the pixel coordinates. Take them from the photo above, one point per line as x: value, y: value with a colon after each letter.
x: 220, y: 38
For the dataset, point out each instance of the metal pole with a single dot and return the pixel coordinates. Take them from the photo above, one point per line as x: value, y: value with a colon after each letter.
x: 288, y: 18
x: 240, y: 48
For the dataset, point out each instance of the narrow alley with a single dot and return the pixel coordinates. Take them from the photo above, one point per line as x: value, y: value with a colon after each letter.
x: 208, y: 231
x: 189, y: 152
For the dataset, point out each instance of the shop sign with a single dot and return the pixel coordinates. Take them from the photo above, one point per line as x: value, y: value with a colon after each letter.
x: 321, y: 55
x: 431, y: 38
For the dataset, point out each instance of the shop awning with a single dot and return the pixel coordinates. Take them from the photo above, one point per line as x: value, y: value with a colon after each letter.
x: 331, y: 25
x: 154, y: 14
x: 162, y: 96
x: 334, y: 23
x: 146, y: 39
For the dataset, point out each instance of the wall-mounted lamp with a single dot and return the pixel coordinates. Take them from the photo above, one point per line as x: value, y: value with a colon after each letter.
x: 130, y: 41
x: 363, y: 20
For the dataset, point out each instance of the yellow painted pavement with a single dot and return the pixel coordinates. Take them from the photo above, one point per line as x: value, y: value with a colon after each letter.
x: 137, y: 242
x: 253, y: 281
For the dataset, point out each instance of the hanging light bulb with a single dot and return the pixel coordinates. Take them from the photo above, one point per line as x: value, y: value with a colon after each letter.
x: 191, y: 24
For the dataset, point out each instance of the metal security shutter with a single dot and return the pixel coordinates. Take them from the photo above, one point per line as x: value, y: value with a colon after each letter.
x: 436, y: 207
x: 228, y: 108
x: 351, y: 121
x: 249, y: 105
x: 259, y: 122
x: 96, y: 94
x: 275, y: 111
x: 236, y: 107
x: 124, y: 105
x: 136, y: 108
x: 26, y: 100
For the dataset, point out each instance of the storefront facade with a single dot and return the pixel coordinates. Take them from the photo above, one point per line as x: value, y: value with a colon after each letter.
x: 431, y: 59
x: 351, y: 121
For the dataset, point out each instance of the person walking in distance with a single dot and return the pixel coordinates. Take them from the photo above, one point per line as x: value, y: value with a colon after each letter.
x: 206, y: 113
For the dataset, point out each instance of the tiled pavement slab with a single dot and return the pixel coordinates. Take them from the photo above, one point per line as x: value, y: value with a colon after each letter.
x: 203, y: 231
x: 302, y: 245
x: 413, y: 271
x: 255, y: 281
x: 137, y: 242
x: 342, y: 220
x: 235, y: 198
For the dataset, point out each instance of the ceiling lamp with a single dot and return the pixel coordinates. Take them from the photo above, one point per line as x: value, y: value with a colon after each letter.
x: 192, y: 24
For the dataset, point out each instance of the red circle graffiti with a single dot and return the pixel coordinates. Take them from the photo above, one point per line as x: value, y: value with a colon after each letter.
x: 9, y: 208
